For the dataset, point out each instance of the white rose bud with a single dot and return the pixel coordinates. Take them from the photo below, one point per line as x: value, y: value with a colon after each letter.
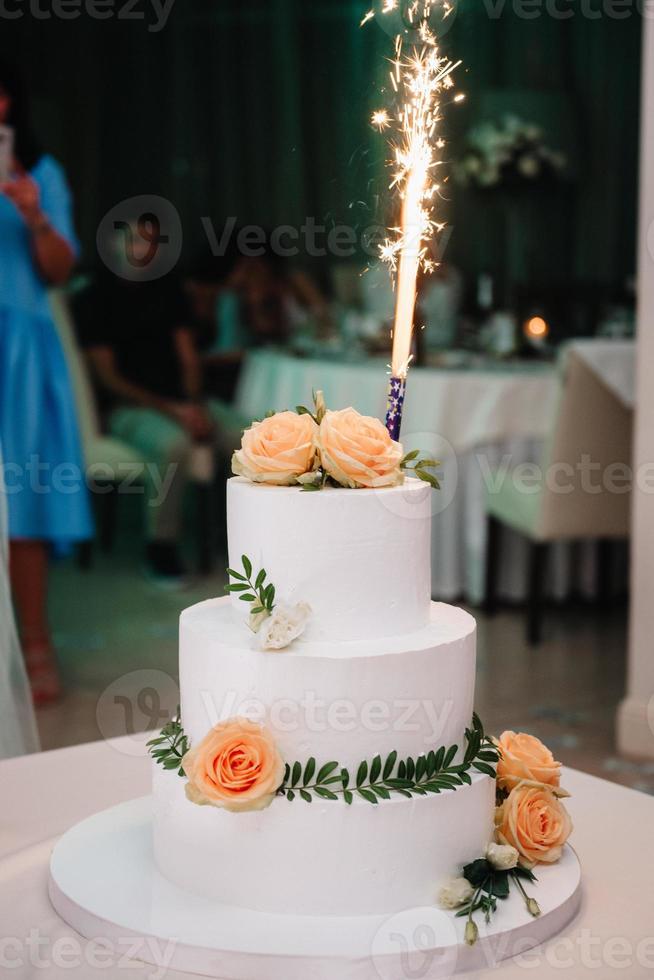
x: 455, y: 893
x: 471, y: 934
x: 321, y: 408
x: 284, y: 625
x: 503, y: 857
x: 533, y: 907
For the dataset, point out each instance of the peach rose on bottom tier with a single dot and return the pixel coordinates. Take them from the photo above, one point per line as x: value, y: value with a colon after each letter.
x: 525, y: 757
x: 357, y: 451
x: 277, y: 450
x: 236, y: 767
x: 535, y: 822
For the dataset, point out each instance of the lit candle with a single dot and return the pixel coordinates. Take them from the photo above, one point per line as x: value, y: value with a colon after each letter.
x: 536, y: 330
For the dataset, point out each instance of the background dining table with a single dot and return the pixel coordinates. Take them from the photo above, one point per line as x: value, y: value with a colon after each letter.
x: 474, y: 413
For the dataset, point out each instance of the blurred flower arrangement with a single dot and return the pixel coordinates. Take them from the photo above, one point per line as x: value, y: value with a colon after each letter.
x: 508, y: 150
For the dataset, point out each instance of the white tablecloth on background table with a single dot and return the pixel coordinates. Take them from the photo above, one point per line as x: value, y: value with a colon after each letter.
x: 43, y: 795
x: 472, y: 419
x: 614, y: 363
x: 467, y: 407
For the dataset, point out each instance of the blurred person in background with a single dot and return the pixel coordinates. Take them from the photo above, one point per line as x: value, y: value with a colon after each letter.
x: 275, y: 300
x: 218, y: 325
x: 239, y: 303
x: 141, y: 342
x: 43, y: 475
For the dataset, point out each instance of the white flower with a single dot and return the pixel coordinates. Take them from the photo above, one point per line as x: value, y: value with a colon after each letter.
x: 454, y: 893
x: 283, y: 625
x: 503, y: 857
x: 529, y: 166
x: 489, y: 177
x: 473, y: 165
x: 533, y: 133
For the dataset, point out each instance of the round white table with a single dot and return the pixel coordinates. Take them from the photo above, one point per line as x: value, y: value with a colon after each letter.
x: 44, y: 794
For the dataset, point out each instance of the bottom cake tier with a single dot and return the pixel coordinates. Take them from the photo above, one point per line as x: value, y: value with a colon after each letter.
x: 323, y: 858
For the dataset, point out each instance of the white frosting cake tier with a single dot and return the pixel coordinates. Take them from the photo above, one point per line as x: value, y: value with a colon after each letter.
x: 325, y: 857
x: 341, y: 702
x: 360, y: 558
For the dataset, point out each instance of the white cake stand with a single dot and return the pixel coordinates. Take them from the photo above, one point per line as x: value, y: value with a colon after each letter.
x: 103, y: 882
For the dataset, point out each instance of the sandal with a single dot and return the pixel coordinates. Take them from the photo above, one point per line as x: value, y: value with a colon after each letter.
x: 43, y: 675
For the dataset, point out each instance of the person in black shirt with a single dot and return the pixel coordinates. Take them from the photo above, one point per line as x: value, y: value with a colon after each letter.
x: 141, y: 347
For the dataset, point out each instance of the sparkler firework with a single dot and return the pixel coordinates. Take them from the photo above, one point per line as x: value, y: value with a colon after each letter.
x: 420, y: 78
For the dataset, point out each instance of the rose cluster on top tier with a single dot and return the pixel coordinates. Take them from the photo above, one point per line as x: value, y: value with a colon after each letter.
x: 350, y: 449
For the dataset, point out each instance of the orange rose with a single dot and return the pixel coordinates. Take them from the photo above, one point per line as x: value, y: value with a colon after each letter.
x: 357, y: 451
x: 535, y: 822
x: 277, y: 450
x: 525, y: 757
x: 236, y: 766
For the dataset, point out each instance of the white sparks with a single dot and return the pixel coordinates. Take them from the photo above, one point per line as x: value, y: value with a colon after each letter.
x: 419, y: 78
x: 381, y: 120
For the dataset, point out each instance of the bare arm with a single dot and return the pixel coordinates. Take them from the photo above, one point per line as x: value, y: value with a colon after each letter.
x: 190, y: 363
x: 192, y: 418
x: 104, y: 368
x: 53, y: 256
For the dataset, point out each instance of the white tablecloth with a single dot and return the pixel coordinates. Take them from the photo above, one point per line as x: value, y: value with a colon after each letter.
x: 614, y: 363
x: 470, y: 419
x: 467, y: 408
x: 43, y: 795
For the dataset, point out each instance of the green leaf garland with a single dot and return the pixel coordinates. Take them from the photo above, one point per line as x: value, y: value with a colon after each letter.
x: 380, y: 779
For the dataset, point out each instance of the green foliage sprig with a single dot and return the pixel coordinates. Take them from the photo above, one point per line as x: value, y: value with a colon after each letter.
x: 252, y: 589
x: 170, y: 746
x: 491, y: 884
x: 380, y: 779
x: 420, y: 466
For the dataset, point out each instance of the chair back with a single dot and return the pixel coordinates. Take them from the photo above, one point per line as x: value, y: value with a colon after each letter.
x: 586, y: 490
x: 87, y: 414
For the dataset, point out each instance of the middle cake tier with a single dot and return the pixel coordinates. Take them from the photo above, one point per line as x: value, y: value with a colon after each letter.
x: 342, y: 702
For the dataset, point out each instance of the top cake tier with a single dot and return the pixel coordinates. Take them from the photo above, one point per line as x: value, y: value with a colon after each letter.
x: 360, y: 558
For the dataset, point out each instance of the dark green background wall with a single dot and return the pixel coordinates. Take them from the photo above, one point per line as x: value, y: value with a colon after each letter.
x: 260, y: 108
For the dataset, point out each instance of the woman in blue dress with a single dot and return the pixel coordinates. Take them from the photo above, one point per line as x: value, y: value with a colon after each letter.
x: 42, y: 472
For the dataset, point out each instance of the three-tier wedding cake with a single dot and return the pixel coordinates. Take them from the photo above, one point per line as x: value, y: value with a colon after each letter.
x: 325, y: 801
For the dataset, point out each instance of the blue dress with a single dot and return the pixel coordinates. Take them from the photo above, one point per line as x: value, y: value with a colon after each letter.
x: 42, y: 471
